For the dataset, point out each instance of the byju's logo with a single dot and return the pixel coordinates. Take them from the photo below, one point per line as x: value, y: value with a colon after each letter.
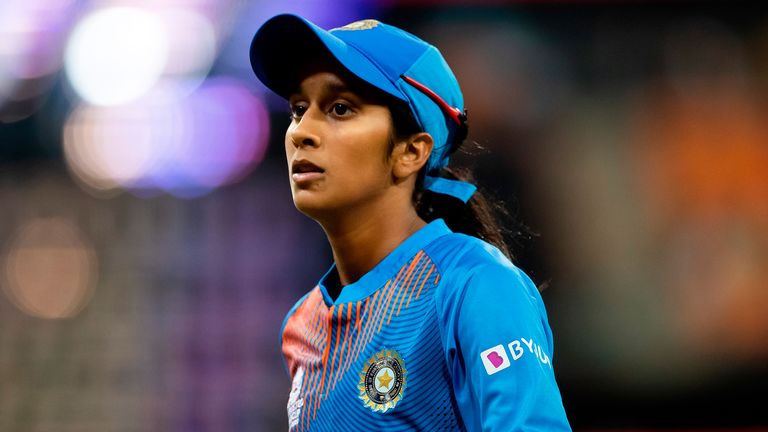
x: 495, y: 359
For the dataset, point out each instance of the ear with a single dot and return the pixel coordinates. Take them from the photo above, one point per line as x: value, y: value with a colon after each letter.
x: 410, y: 155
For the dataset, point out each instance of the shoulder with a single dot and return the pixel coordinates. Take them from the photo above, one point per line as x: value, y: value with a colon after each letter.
x: 291, y: 312
x: 296, y: 306
x: 464, y: 261
x: 477, y: 278
x: 461, y: 251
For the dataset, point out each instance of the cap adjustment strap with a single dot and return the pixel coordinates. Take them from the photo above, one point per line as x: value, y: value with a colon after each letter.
x: 459, y: 117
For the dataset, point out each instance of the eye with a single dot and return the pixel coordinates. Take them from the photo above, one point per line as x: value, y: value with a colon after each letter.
x: 341, y: 109
x: 298, y: 110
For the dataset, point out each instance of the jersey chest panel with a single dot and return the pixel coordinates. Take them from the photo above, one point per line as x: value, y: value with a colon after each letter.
x: 371, y: 364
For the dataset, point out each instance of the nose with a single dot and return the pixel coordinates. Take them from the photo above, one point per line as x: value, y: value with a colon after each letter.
x: 304, y: 133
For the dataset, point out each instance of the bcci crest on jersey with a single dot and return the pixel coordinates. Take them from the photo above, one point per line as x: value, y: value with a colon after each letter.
x: 382, y: 380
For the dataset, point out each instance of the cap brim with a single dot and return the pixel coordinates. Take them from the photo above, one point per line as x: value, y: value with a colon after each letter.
x: 284, y: 45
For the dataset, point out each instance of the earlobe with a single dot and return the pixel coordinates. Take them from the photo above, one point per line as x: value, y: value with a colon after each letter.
x: 412, y: 154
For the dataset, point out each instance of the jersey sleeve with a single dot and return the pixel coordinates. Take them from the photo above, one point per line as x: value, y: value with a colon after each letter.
x: 499, y: 350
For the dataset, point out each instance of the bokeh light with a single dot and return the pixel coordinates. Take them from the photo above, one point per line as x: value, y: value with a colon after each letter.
x: 111, y: 146
x: 50, y: 269
x: 192, y: 46
x: 325, y: 13
x: 31, y: 39
x: 115, y: 55
x: 186, y: 144
x: 226, y: 136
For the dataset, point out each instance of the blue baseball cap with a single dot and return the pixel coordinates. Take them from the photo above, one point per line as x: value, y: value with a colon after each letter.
x: 385, y: 57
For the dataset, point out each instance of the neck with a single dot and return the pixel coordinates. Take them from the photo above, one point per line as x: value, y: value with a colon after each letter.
x: 361, y: 239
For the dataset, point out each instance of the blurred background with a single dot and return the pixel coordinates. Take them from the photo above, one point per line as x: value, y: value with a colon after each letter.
x: 149, y: 247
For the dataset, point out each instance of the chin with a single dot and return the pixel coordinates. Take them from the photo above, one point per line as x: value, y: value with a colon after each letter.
x: 311, y: 204
x: 319, y: 207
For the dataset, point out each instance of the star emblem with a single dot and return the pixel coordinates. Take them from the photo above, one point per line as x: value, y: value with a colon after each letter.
x: 384, y: 380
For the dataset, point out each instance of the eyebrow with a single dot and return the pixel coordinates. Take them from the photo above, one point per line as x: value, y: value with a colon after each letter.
x: 332, y: 87
x: 338, y: 87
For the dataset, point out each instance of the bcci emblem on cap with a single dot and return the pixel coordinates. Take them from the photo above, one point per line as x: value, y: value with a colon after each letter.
x: 366, y: 24
x: 382, y: 380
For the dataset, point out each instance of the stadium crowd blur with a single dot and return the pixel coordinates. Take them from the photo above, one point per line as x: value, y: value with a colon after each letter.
x: 149, y: 248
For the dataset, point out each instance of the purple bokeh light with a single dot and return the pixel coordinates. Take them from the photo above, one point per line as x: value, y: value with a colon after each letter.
x: 325, y: 13
x: 226, y: 134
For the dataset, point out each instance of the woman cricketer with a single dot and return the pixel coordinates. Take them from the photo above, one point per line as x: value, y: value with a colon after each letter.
x: 422, y: 322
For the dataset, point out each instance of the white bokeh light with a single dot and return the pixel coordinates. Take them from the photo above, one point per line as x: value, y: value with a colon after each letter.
x: 168, y: 140
x: 116, y: 55
x: 109, y: 147
x: 191, y: 47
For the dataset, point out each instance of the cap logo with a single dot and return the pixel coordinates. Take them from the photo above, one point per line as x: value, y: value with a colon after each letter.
x: 365, y: 24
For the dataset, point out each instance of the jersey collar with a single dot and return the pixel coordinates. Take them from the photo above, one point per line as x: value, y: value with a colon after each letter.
x: 387, y: 268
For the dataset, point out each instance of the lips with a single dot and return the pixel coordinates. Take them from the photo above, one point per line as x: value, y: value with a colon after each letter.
x: 304, y: 173
x: 302, y: 166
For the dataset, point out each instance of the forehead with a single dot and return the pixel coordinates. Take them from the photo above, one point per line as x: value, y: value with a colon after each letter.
x: 331, y: 76
x: 324, y: 80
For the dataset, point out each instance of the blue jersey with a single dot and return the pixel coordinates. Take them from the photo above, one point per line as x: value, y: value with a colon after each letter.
x: 443, y: 334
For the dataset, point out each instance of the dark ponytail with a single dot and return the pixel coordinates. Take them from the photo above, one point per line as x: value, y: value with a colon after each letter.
x: 479, y: 217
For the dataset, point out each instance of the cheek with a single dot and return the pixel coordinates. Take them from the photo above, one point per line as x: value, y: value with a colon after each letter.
x: 369, y: 141
x: 365, y: 159
x: 366, y: 146
x: 290, y: 149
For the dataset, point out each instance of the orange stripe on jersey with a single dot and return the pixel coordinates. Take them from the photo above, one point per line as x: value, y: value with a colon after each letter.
x: 359, y: 340
x: 291, y: 339
x: 381, y: 310
x: 422, y: 285
x: 313, y: 362
x: 368, y: 314
x: 311, y: 365
x: 357, y: 317
x: 318, y: 371
x: 359, y: 335
x: 297, y: 333
x: 437, y: 278
x: 348, y: 338
x: 404, y: 285
x: 350, y: 346
x: 381, y: 306
x: 315, y: 334
x: 373, y: 315
x: 411, y: 290
x: 325, y: 360
x: 304, y: 339
x: 311, y: 378
x: 370, y: 324
x: 399, y: 287
x: 335, y: 348
x: 343, y: 345
x: 311, y: 333
x: 370, y: 319
x: 409, y: 280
